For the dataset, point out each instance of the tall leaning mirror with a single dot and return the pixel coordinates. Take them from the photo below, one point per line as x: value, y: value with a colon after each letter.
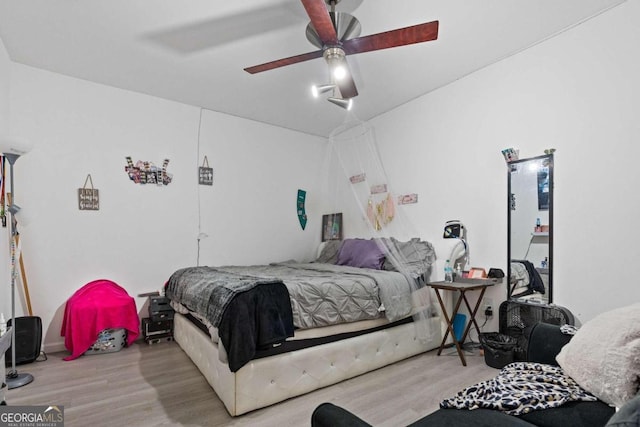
x: 530, y: 229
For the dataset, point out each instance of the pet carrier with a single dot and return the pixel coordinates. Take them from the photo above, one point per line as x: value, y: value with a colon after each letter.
x: 517, y: 318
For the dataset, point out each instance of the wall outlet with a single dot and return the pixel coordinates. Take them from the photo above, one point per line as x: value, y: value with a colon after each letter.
x: 488, y: 302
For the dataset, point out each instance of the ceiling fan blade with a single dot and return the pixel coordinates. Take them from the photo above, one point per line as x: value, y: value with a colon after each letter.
x: 321, y: 21
x: 346, y: 84
x: 284, y: 61
x: 400, y: 37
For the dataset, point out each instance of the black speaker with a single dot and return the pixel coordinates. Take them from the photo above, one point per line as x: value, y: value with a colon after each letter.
x: 28, y: 340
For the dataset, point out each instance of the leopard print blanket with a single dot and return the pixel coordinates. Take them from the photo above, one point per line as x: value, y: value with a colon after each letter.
x: 520, y: 388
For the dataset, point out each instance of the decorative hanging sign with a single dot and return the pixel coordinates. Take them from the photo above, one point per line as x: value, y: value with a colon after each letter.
x: 302, y: 216
x: 205, y: 173
x: 408, y: 199
x: 380, y: 188
x: 88, y: 197
x: 148, y: 173
x: 357, y: 178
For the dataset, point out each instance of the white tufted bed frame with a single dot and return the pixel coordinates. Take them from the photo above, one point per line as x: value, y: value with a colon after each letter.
x: 263, y: 382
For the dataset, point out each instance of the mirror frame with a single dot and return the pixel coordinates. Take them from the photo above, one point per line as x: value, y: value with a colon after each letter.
x: 549, y: 296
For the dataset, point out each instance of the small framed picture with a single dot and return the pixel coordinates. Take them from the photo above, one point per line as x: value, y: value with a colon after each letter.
x: 477, y: 273
x: 332, y: 227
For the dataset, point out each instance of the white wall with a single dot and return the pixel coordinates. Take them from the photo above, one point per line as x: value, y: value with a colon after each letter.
x: 141, y: 234
x: 5, y: 81
x: 579, y: 93
x: 250, y: 212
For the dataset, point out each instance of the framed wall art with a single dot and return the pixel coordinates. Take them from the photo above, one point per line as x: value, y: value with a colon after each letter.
x: 332, y: 227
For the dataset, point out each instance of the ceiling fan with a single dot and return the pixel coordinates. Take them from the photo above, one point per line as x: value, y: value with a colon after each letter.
x: 336, y: 34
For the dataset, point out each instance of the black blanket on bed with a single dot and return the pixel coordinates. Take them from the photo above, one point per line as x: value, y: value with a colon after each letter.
x: 249, y: 312
x: 536, y: 284
x: 255, y: 319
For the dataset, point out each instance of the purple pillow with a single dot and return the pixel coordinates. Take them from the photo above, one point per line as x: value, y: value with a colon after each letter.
x: 360, y: 253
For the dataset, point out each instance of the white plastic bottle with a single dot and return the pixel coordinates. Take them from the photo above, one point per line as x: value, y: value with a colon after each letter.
x: 3, y: 324
x: 448, y: 273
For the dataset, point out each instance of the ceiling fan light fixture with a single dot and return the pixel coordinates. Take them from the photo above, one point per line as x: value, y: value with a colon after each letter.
x: 339, y: 71
x: 341, y: 102
x: 335, y: 34
x: 346, y: 27
x: 335, y: 58
x: 316, y: 90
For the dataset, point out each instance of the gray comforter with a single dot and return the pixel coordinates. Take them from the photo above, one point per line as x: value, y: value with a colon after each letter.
x: 327, y: 294
x: 207, y: 291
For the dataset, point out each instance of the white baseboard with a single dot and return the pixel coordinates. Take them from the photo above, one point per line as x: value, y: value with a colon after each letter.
x: 54, y: 347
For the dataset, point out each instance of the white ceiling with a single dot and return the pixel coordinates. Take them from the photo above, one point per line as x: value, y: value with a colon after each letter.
x: 194, y: 51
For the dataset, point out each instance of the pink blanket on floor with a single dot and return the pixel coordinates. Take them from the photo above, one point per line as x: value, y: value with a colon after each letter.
x: 97, y: 306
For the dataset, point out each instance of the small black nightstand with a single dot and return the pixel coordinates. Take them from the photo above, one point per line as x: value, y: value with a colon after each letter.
x: 158, y: 327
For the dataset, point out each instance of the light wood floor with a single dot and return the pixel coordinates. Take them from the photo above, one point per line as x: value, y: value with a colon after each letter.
x: 158, y: 385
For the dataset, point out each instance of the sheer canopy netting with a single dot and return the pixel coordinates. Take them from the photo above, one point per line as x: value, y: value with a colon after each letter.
x: 358, y: 187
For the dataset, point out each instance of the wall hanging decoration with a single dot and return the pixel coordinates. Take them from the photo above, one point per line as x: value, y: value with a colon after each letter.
x: 205, y: 173
x: 302, y: 216
x: 358, y: 178
x: 380, y: 188
x: 88, y: 197
x: 408, y: 199
x: 148, y: 173
x: 332, y: 227
x: 381, y: 213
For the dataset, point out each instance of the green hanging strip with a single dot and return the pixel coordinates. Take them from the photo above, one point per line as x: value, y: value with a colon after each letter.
x: 302, y: 216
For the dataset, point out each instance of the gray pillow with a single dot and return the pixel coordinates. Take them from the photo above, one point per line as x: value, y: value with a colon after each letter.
x: 415, y: 255
x: 329, y: 253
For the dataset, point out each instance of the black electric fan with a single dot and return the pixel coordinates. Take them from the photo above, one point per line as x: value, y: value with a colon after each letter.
x: 517, y: 318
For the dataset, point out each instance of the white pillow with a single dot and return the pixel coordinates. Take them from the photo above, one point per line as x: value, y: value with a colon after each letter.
x: 604, y: 355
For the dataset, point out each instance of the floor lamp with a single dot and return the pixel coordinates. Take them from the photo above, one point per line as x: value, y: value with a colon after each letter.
x: 12, y: 151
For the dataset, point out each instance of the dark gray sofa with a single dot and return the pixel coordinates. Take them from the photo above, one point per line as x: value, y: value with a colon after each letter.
x: 545, y: 342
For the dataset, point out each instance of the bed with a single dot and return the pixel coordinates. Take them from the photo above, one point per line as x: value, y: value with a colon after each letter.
x: 525, y: 279
x: 324, y: 346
